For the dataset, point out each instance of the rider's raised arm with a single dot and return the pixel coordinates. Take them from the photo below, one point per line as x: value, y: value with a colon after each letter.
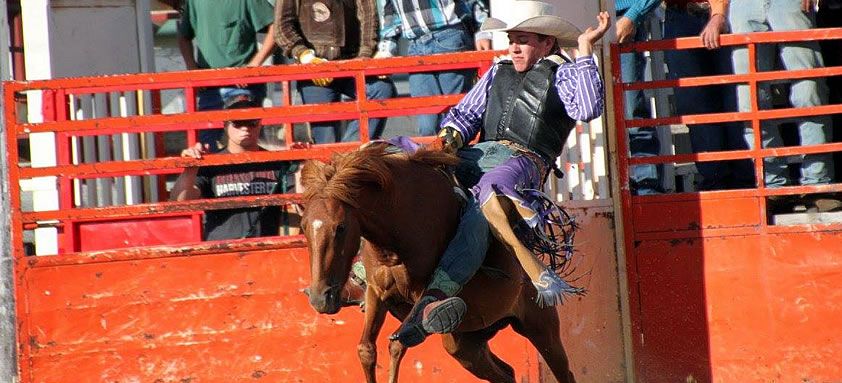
x: 466, y: 116
x: 580, y: 88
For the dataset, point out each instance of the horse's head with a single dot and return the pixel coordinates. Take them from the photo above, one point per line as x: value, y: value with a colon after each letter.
x: 333, y: 236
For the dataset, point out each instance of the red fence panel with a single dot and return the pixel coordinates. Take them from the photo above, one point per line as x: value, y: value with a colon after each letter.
x: 718, y: 292
x: 107, y: 309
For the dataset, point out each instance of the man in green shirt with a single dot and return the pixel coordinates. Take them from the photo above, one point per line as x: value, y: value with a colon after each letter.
x: 225, y: 33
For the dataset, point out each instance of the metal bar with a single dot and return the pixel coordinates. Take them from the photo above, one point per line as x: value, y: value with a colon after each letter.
x: 169, y: 80
x: 814, y: 34
x: 148, y: 167
x: 735, y: 78
x: 139, y: 253
x: 738, y: 154
x: 693, y: 119
x: 756, y: 146
x: 362, y: 98
x: 158, y: 208
x: 8, y: 346
x: 292, y: 113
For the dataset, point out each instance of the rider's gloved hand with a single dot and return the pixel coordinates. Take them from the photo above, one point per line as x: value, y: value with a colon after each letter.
x: 309, y: 57
x: 448, y: 139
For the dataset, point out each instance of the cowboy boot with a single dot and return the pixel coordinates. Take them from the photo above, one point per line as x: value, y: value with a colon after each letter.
x: 438, y: 311
x: 549, y: 285
x: 430, y: 316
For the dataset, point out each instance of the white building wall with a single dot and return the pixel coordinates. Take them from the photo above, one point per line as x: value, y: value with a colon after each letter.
x: 67, y: 38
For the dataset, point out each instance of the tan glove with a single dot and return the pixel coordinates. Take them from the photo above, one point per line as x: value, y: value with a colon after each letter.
x: 309, y: 57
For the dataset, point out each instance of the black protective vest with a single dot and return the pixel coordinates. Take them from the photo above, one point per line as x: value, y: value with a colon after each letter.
x: 525, y: 108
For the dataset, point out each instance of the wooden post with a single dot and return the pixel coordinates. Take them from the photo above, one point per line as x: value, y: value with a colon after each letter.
x: 8, y: 345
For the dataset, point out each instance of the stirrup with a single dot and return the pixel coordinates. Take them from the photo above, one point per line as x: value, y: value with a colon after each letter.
x: 411, y: 332
x: 444, y: 316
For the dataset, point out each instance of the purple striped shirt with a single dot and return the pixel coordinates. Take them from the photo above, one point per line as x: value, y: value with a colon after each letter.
x: 579, y: 87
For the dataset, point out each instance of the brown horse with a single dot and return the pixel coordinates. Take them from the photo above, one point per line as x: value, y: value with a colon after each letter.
x: 405, y: 208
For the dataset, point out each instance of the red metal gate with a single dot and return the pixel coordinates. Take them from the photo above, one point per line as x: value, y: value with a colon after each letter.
x: 716, y: 293
x: 132, y: 296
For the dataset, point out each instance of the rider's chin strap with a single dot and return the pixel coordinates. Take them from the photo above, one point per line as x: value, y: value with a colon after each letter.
x: 550, y: 287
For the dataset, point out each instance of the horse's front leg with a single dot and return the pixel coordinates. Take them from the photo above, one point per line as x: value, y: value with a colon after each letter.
x: 375, y: 315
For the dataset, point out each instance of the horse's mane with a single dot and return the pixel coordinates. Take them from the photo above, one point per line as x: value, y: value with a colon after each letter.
x: 349, y: 174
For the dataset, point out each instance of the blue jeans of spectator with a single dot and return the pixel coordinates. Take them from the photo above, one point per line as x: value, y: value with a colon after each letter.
x: 329, y: 131
x: 643, y: 142
x: 784, y: 15
x: 450, y: 39
x: 213, y: 98
x: 706, y: 99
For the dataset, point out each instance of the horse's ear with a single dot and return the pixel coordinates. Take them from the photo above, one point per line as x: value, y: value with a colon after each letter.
x: 312, y: 173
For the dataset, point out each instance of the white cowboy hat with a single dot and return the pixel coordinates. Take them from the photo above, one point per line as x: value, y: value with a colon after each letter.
x: 536, y: 17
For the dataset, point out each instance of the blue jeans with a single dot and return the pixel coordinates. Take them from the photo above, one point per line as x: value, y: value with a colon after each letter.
x: 328, y: 132
x: 466, y: 251
x: 214, y: 98
x: 717, y: 99
x: 643, y: 142
x: 450, y: 39
x: 784, y: 15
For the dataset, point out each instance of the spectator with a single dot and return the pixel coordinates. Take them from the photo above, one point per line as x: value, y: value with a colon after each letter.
x: 225, y: 33
x: 237, y: 180
x: 706, y: 19
x: 433, y: 26
x: 312, y: 31
x: 522, y: 110
x: 748, y: 16
x: 830, y: 16
x: 643, y: 142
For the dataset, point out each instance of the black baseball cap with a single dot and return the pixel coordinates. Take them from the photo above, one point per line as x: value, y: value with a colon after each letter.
x: 242, y: 101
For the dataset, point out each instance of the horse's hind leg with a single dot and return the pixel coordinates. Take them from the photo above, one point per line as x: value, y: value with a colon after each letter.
x: 471, y: 350
x: 541, y: 327
x: 396, y: 354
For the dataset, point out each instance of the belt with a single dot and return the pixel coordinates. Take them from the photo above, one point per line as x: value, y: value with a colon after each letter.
x: 540, y: 162
x: 431, y: 35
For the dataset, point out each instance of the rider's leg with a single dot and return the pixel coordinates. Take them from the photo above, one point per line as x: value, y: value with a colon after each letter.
x: 501, y: 211
x: 439, y: 310
x: 499, y: 193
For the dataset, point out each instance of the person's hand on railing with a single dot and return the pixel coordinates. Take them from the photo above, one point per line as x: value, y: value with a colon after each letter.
x: 714, y: 27
x: 380, y: 54
x: 300, y: 145
x: 624, y: 30
x: 196, y: 151
x: 309, y: 57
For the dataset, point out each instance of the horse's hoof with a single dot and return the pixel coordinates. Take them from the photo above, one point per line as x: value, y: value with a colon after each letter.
x: 444, y: 316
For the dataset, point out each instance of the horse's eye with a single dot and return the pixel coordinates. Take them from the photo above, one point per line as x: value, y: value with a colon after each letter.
x: 340, y: 228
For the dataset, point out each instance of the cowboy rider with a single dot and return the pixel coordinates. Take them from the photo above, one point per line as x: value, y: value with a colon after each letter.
x: 522, y: 109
